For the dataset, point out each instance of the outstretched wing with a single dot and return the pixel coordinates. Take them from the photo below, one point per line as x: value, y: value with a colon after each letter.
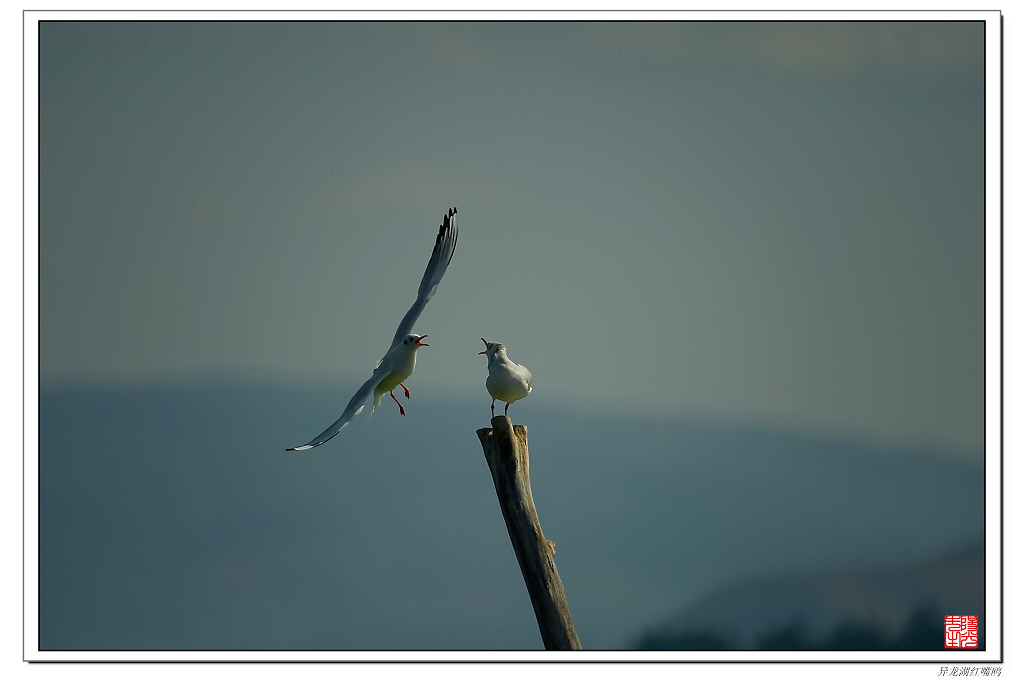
x: 444, y: 247
x: 354, y: 407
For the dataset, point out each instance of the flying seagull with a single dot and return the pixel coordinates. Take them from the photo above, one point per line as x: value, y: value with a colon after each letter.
x: 505, y: 379
x: 400, y: 360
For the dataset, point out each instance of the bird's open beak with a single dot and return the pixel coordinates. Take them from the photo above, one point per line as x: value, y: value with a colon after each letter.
x: 419, y: 341
x: 483, y: 352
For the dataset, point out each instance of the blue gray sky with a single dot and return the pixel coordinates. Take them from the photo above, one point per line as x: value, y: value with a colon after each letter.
x: 750, y: 256
x: 769, y: 224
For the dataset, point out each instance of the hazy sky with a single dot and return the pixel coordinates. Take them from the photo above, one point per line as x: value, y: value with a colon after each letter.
x: 752, y: 223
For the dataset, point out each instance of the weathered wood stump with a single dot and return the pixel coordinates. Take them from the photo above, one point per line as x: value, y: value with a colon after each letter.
x: 508, y: 456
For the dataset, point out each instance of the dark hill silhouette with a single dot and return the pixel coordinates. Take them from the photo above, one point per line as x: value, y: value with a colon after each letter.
x: 889, y: 607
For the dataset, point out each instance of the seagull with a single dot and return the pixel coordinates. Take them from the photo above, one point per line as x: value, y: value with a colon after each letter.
x: 505, y: 379
x: 398, y: 363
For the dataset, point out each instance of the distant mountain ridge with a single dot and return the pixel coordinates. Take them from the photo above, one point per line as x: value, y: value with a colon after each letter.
x: 173, y: 518
x: 810, y: 608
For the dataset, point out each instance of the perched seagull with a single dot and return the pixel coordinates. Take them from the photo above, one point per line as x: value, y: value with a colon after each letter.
x: 505, y: 379
x: 400, y: 360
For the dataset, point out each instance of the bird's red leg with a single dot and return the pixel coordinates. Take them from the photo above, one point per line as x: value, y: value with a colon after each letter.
x: 506, y: 409
x: 406, y: 391
x: 492, y: 409
x: 402, y: 409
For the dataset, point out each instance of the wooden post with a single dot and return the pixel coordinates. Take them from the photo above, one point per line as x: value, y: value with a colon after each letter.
x: 508, y: 456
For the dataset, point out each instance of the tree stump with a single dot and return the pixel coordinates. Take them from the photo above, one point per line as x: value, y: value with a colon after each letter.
x: 508, y: 457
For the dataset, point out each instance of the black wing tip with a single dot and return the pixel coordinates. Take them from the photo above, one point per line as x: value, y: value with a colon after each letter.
x: 315, y: 444
x: 448, y: 218
x: 446, y: 224
x: 307, y: 446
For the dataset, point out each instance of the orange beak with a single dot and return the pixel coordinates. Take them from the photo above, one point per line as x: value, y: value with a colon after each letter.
x: 483, y: 352
x: 419, y: 341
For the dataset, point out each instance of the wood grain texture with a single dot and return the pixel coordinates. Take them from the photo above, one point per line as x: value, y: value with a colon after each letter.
x: 508, y: 457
